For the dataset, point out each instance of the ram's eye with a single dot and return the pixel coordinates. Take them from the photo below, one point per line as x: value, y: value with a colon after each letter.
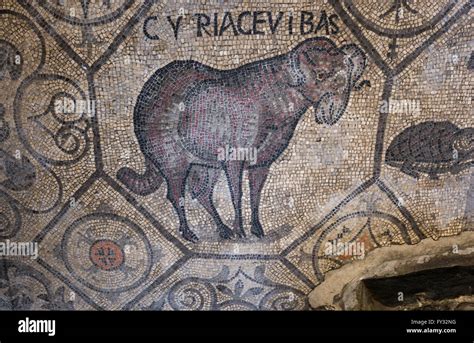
x: 320, y: 76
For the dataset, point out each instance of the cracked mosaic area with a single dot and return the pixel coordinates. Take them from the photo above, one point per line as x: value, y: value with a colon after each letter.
x: 225, y: 155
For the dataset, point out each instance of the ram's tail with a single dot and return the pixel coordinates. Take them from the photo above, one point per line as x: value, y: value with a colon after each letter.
x: 141, y: 184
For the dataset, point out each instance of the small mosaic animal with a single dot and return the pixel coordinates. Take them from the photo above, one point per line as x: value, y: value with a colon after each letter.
x: 433, y: 148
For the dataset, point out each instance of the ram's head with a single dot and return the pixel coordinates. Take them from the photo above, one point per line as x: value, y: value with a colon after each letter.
x: 325, y: 75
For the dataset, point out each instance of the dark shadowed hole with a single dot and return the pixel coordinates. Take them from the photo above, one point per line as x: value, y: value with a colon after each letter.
x: 432, y: 286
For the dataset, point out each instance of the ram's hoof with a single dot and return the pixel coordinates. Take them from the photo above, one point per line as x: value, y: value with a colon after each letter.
x: 257, y: 230
x: 189, y: 236
x: 225, y: 232
x: 240, y: 233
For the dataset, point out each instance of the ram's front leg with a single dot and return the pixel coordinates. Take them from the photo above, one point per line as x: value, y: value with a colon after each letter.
x: 234, y: 171
x: 257, y: 179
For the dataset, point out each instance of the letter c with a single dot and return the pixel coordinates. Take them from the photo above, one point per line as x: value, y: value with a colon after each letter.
x: 239, y: 23
x: 145, y: 28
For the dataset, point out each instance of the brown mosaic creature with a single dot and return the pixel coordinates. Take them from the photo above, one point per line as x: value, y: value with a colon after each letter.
x: 188, y: 113
x: 433, y: 148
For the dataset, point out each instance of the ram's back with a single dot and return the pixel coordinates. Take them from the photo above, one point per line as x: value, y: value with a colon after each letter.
x: 188, y: 107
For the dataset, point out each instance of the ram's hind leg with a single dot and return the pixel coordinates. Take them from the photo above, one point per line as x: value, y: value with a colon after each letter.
x: 257, y: 179
x: 201, y: 183
x: 233, y: 171
x: 176, y: 181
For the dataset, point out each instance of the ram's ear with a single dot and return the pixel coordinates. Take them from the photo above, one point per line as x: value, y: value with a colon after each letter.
x: 296, y: 77
x: 358, y: 59
x: 304, y: 55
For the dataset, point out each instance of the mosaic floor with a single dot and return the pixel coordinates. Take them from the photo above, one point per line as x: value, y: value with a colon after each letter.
x: 217, y: 155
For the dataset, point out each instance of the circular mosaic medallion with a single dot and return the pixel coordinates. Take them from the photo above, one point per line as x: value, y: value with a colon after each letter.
x: 107, y: 252
x: 84, y: 13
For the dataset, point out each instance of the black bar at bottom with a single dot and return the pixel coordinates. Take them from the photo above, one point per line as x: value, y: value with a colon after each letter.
x: 423, y: 325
